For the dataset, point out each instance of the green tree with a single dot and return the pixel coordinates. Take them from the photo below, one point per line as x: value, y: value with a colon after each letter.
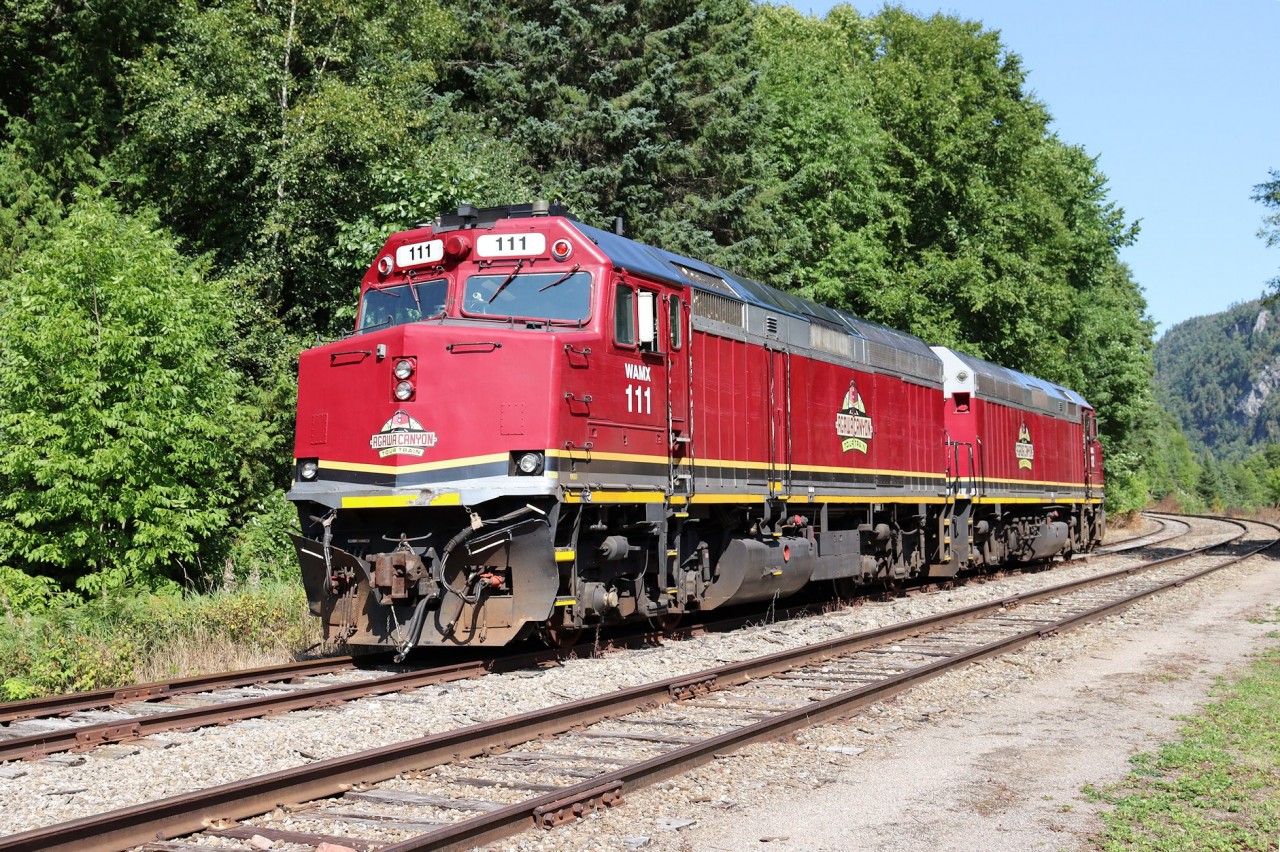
x: 279, y: 135
x: 821, y: 218
x: 914, y: 182
x: 1215, y: 374
x: 643, y: 110
x: 1268, y: 193
x: 59, y: 78
x: 1211, y: 485
x: 1001, y: 223
x: 28, y: 203
x: 1169, y: 459
x: 125, y: 437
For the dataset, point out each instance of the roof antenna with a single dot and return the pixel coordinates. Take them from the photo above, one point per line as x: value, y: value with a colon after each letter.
x: 617, y: 225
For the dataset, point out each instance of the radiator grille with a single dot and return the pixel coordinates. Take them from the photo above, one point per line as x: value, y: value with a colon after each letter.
x: 720, y: 308
x: 892, y: 359
x: 833, y: 340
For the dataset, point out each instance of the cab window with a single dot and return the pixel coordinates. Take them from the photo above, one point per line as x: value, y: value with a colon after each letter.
x: 624, y: 316
x: 673, y: 306
x: 556, y: 297
x: 402, y: 303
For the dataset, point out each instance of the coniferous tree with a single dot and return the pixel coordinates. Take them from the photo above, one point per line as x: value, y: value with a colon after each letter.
x: 644, y: 110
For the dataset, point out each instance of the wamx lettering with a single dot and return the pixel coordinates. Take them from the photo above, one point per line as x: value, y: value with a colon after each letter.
x: 638, y: 372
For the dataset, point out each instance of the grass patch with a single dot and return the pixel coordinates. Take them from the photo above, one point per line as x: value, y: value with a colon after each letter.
x: 1217, y: 786
x: 71, y: 645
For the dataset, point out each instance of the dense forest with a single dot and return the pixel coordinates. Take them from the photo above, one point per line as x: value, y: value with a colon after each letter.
x: 1217, y: 377
x: 190, y: 191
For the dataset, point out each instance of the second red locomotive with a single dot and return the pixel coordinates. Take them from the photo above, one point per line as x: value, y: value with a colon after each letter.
x: 539, y: 426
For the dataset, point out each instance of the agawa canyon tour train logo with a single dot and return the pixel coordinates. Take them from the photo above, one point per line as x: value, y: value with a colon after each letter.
x: 1024, y: 449
x: 402, y: 436
x: 852, y: 423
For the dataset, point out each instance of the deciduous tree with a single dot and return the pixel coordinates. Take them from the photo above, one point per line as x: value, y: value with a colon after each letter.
x: 126, y: 439
x: 278, y: 134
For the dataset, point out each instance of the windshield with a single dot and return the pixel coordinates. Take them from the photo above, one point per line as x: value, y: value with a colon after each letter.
x: 564, y: 296
x: 402, y: 303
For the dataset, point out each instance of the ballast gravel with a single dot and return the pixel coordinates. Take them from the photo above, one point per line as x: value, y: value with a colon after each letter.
x: 994, y: 756
x: 777, y: 795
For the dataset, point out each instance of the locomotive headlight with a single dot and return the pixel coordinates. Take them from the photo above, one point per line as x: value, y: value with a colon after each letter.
x: 529, y: 463
x: 404, y: 368
x: 404, y: 390
x: 308, y: 470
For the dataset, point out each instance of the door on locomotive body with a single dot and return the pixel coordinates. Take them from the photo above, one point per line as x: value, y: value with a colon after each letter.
x: 675, y: 315
x: 632, y: 423
x: 1092, y: 455
x: 778, y: 364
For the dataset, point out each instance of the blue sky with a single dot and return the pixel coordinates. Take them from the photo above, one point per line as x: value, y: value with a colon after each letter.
x: 1180, y: 102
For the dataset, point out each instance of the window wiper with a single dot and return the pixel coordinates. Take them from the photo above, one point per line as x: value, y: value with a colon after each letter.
x: 371, y: 326
x: 507, y: 280
x: 562, y: 278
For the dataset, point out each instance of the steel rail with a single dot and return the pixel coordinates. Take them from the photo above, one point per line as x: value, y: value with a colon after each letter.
x: 65, y: 704
x: 1137, y: 542
x: 189, y: 812
x: 89, y: 736
x: 55, y: 705
x: 609, y: 787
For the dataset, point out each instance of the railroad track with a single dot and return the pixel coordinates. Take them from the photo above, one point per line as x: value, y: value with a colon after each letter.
x: 1148, y: 539
x: 80, y: 722
x: 553, y: 765
x: 39, y: 727
x: 63, y: 705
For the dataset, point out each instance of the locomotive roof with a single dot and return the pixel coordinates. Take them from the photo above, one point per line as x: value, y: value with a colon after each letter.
x: 663, y: 265
x: 1019, y: 388
x: 677, y: 269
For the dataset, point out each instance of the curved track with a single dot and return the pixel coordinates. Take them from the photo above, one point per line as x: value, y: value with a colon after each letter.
x: 618, y: 741
x: 77, y: 722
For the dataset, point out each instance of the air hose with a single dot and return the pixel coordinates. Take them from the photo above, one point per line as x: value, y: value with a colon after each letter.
x: 419, y: 619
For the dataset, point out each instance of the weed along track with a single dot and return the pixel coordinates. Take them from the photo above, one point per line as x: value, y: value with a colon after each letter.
x: 475, y: 783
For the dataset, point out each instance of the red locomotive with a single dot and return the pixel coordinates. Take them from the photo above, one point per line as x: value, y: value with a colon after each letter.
x: 540, y: 426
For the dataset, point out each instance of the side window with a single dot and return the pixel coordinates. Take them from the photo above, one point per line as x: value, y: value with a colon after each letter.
x: 673, y: 307
x: 624, y: 316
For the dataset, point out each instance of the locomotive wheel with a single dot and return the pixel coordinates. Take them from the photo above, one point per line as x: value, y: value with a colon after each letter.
x: 559, y: 636
x: 666, y: 622
x: 846, y: 589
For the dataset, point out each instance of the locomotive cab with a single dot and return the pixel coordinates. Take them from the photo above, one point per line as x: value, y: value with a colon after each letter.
x: 496, y: 355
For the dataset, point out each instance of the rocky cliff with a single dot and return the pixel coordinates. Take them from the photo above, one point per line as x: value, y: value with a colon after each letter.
x: 1219, y: 375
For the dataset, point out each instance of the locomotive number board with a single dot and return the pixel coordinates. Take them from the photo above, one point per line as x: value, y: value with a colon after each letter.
x: 511, y: 245
x: 416, y: 254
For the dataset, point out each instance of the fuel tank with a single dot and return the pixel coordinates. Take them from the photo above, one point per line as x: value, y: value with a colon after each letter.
x: 755, y: 570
